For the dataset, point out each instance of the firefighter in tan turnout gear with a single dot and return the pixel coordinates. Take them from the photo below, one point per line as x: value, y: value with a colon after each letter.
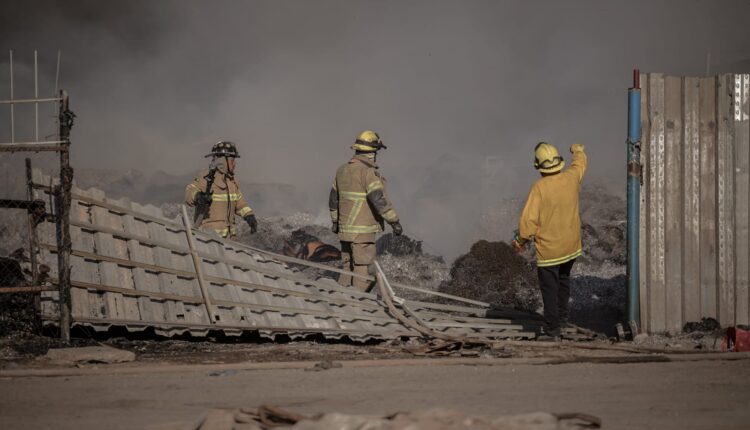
x: 551, y: 218
x: 359, y: 206
x: 216, y: 195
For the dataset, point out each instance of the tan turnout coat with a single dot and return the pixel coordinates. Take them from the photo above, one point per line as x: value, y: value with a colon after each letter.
x: 227, y: 201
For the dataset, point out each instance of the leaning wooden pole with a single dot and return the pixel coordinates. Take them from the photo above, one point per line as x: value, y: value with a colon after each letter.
x: 198, y: 263
x: 62, y: 220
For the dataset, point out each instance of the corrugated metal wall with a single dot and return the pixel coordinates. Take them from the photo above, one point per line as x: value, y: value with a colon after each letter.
x: 695, y: 253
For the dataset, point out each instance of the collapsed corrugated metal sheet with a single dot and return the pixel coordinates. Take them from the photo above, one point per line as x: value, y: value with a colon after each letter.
x: 132, y: 267
x: 695, y: 252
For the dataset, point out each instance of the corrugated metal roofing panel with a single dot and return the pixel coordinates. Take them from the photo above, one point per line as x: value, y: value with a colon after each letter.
x: 134, y: 268
x: 694, y: 209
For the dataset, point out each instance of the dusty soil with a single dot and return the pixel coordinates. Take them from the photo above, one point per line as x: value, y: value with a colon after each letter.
x: 674, y: 395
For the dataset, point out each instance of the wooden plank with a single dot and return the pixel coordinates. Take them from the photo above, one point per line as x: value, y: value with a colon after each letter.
x: 742, y: 197
x: 708, y: 256
x: 36, y: 289
x: 657, y: 289
x: 691, y: 210
x: 673, y: 203
x: 198, y: 268
x: 725, y: 200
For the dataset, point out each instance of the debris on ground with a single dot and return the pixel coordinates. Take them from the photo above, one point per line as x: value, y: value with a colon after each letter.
x: 324, y: 365
x: 704, y: 325
x: 267, y: 417
x: 493, y: 272
x: 305, y: 246
x: 88, y: 354
x: 399, y: 246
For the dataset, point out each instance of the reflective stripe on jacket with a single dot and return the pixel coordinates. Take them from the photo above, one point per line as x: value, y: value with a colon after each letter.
x: 358, y: 201
x: 551, y: 215
x: 227, y: 202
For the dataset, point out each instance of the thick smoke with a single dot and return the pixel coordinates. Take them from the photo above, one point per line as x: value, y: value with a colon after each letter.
x: 446, y: 84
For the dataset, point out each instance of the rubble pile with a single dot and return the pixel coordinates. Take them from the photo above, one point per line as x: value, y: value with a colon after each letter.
x: 492, y: 272
x: 268, y: 416
x: 404, y: 262
x: 273, y: 232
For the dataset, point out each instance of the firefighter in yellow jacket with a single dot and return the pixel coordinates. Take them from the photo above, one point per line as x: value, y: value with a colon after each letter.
x: 359, y: 206
x: 216, y: 195
x: 551, y: 218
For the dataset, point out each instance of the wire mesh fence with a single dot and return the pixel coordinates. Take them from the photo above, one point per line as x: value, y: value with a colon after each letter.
x: 23, y: 274
x: 38, y: 133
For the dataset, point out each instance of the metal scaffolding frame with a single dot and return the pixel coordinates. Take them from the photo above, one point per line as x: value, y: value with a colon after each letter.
x: 62, y: 192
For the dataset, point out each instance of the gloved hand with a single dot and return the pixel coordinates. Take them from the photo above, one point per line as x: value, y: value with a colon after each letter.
x: 576, y: 147
x: 202, y: 199
x: 252, y: 222
x: 335, y: 227
x: 397, y: 229
x: 518, y: 243
x: 518, y: 246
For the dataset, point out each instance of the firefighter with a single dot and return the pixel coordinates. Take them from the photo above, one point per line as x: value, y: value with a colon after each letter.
x: 216, y: 195
x: 359, y: 206
x: 552, y: 220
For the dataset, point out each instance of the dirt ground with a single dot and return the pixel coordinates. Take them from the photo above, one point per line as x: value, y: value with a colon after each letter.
x: 704, y: 394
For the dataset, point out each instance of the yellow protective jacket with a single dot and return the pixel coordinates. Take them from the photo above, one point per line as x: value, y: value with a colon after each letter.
x: 227, y: 201
x: 358, y: 201
x: 551, y: 215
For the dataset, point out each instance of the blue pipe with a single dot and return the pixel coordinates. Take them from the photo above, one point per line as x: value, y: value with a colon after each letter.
x: 634, y: 198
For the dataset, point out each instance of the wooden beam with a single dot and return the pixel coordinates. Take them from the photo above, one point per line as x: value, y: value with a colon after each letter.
x: 198, y: 263
x: 34, y: 289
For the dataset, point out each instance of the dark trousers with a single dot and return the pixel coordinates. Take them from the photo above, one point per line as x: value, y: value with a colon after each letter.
x: 554, y: 281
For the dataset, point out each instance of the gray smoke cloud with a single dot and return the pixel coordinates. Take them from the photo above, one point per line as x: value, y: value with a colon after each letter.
x: 447, y: 84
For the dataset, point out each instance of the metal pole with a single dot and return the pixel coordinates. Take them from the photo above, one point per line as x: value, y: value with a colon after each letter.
x: 32, y: 224
x: 12, y: 107
x: 62, y: 203
x: 36, y: 96
x: 634, y: 197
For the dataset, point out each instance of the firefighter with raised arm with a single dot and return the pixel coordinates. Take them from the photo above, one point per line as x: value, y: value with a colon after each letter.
x: 216, y: 195
x: 359, y: 207
x: 552, y: 220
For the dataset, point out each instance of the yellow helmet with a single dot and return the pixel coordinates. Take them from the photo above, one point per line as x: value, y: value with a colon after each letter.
x: 547, y: 159
x: 368, y: 141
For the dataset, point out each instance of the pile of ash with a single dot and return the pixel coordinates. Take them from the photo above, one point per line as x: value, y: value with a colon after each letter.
x: 274, y: 232
x: 404, y: 262
x: 492, y: 272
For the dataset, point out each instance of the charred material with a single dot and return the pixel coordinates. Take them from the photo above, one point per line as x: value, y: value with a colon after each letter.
x: 398, y: 245
x: 492, y: 272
